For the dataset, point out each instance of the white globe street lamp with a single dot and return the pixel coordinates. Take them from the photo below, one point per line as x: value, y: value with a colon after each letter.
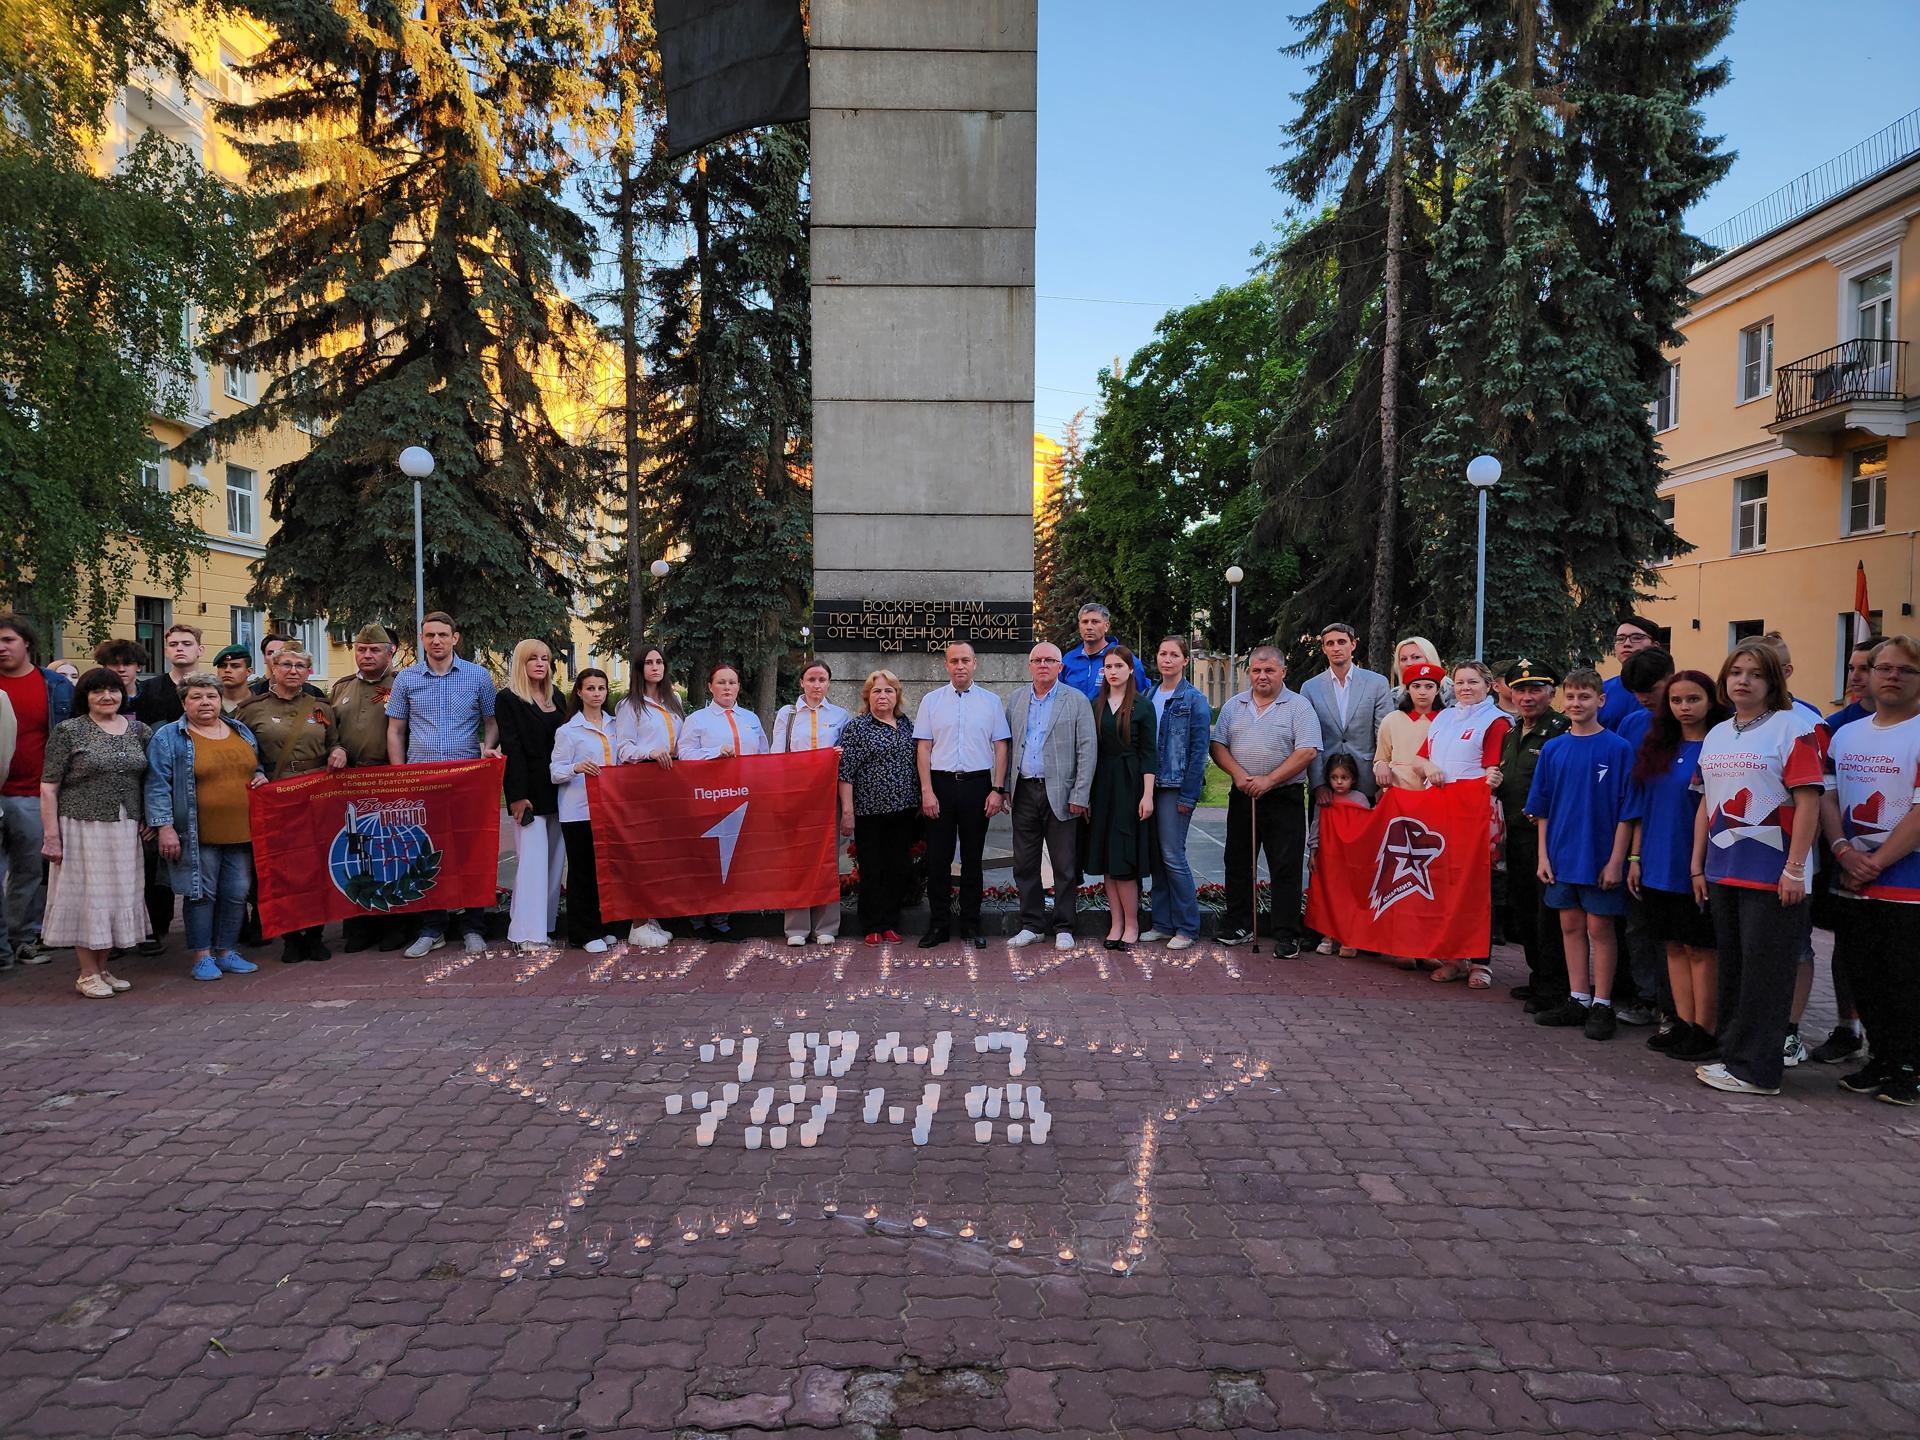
x: 1234, y: 576
x: 416, y: 463
x: 1483, y: 473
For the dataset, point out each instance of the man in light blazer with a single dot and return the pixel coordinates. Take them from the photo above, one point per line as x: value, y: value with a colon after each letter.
x: 1351, y: 702
x: 1052, y: 752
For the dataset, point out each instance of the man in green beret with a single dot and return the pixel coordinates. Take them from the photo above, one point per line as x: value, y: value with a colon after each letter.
x: 1528, y: 920
x: 359, y: 705
x: 234, y: 666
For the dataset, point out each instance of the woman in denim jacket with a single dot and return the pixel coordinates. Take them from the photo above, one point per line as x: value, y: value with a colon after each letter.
x: 204, y: 837
x: 1185, y: 722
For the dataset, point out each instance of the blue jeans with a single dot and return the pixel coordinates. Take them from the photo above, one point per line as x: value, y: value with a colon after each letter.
x: 213, y: 921
x: 1176, y: 908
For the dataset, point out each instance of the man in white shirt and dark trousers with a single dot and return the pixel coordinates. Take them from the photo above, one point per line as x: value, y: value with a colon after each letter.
x: 961, y: 743
x: 1053, y: 746
x: 1265, y: 738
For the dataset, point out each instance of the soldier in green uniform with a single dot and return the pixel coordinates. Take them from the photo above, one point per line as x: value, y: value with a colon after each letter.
x: 359, y: 705
x: 296, y: 734
x: 1528, y: 920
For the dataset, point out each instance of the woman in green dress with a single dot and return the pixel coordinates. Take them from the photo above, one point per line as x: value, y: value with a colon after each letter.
x: 1121, y: 827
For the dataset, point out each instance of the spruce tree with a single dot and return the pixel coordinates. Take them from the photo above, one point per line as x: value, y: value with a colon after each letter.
x: 729, y: 369
x: 1560, y: 274
x: 415, y: 161
x: 1370, y: 146
x: 99, y: 275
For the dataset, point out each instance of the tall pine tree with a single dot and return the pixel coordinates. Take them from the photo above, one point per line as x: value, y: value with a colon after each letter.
x: 415, y: 158
x: 1560, y: 274
x: 729, y: 365
x: 1371, y: 138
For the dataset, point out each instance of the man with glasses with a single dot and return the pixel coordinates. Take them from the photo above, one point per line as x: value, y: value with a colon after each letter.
x: 1053, y: 746
x: 1633, y: 634
x: 1872, y: 829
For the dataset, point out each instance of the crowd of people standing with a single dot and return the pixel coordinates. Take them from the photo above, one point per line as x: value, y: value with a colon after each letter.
x: 1665, y: 840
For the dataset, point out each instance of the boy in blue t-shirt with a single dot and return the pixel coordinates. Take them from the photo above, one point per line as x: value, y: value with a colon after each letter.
x: 1580, y: 797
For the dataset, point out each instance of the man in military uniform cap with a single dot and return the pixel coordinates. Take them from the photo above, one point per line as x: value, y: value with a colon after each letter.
x: 360, y: 708
x: 296, y: 734
x: 1528, y: 920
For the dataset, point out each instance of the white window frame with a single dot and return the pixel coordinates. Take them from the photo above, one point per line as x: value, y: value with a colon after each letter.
x: 251, y: 490
x: 245, y: 626
x: 1876, y: 495
x: 1738, y: 630
x: 1755, y: 379
x: 1669, y: 396
x: 153, y: 468
x: 1884, y: 303
x: 237, y: 383
x: 313, y: 638
x: 1751, y: 508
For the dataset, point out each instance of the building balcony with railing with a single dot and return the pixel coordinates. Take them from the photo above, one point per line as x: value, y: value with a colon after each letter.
x: 1859, y: 385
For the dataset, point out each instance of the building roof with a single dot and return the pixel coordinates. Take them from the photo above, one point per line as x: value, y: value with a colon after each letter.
x: 1826, y: 184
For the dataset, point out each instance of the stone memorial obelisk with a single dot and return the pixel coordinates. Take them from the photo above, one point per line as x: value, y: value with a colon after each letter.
x: 923, y: 214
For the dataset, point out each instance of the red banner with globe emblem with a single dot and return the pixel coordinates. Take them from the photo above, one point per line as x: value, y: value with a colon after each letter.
x: 384, y: 840
x: 1411, y: 877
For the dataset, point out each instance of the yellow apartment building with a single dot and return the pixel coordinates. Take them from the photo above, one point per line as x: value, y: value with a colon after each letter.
x: 230, y: 489
x: 1785, y: 419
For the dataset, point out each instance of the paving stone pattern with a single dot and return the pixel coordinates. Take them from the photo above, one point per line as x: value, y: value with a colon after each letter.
x: 275, y: 1206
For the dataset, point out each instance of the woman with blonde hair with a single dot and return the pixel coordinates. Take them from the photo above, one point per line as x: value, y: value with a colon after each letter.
x: 530, y: 711
x: 1418, y: 650
x: 880, y: 802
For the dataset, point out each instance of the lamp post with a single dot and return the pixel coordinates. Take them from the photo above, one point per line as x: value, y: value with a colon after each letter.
x: 416, y: 462
x: 658, y: 569
x: 806, y: 640
x: 1483, y: 473
x: 1234, y: 576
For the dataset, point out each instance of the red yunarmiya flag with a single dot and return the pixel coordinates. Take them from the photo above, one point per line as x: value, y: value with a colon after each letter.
x: 1413, y: 876
x: 383, y: 840
x: 756, y: 832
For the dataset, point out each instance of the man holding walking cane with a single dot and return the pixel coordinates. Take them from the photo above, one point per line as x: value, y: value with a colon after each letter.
x: 1265, y: 739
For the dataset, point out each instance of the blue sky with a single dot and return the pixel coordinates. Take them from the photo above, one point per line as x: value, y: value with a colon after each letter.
x: 1158, y: 124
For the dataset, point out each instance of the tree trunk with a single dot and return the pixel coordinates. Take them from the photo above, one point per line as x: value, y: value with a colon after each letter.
x: 630, y: 356
x: 1386, y: 541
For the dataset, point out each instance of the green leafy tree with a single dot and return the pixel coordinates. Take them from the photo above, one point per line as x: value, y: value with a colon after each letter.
x: 1560, y: 274
x: 100, y: 272
x: 1163, y: 501
x: 1059, y: 589
x: 1369, y: 145
x: 415, y: 160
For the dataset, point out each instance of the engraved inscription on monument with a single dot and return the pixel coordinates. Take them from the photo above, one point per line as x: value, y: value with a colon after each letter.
x: 922, y: 626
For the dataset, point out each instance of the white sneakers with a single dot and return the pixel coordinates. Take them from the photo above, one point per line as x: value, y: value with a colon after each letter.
x: 473, y: 944
x: 1180, y: 942
x: 1721, y: 1078
x: 825, y: 939
x: 650, y: 935
x: 1024, y: 938
x: 1152, y: 935
x: 94, y: 987
x: 596, y: 946
x: 799, y: 939
x: 1063, y: 941
x: 424, y: 946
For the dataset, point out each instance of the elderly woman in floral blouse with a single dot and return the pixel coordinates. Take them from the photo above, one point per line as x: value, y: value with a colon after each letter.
x: 880, y: 802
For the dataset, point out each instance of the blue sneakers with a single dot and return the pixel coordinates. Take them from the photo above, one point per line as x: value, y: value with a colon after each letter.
x: 205, y: 969
x: 234, y: 963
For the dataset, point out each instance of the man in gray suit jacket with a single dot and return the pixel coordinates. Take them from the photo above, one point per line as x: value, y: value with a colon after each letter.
x: 1050, y: 764
x: 1351, y: 703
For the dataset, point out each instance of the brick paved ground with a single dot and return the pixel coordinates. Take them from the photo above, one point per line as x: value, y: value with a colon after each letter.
x: 275, y: 1206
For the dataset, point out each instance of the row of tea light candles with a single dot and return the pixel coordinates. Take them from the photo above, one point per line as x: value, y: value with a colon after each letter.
x: 547, y: 1246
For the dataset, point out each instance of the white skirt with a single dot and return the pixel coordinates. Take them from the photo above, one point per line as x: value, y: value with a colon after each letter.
x: 96, y: 891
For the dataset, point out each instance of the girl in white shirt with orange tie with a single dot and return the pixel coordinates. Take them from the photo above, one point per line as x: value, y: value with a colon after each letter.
x: 812, y: 722
x: 716, y: 731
